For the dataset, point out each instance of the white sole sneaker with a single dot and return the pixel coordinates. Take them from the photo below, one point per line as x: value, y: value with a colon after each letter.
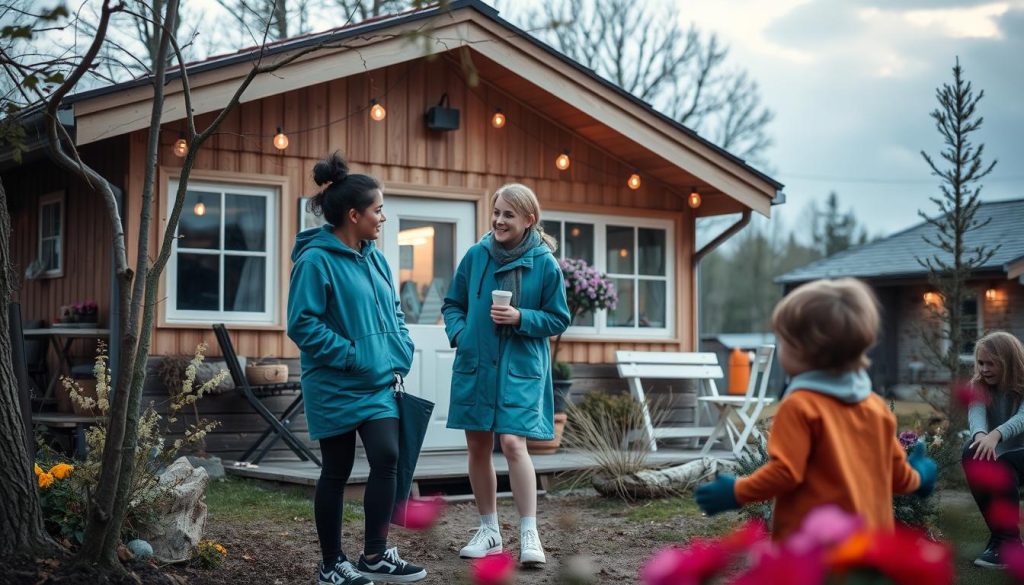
x: 482, y: 545
x: 531, y: 558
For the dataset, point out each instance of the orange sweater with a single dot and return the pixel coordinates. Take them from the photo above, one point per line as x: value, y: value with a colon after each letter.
x: 824, y: 451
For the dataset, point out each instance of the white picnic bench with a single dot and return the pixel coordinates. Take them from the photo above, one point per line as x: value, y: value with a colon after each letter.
x: 736, y: 415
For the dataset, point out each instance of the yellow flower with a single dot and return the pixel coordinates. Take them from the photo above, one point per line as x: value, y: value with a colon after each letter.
x: 38, y: 470
x: 61, y: 470
x: 220, y: 548
x: 45, y: 480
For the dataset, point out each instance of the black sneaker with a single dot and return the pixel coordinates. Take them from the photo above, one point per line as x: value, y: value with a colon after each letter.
x: 342, y: 573
x: 390, y: 568
x: 990, y: 559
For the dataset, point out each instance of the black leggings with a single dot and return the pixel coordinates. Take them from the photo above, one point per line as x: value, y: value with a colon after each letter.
x: 1014, y: 463
x: 380, y: 439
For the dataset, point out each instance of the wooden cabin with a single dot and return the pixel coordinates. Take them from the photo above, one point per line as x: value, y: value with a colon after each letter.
x: 246, y: 196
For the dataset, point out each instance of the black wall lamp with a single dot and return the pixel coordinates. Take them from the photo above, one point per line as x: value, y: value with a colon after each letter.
x: 442, y: 116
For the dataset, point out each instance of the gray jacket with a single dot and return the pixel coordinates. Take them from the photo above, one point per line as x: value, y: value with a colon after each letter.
x: 1000, y: 416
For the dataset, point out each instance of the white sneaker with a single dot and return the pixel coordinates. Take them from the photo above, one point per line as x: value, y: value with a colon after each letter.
x: 486, y: 541
x: 531, y: 553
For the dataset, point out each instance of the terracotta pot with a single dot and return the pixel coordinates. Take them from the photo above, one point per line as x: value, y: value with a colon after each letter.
x: 266, y: 374
x: 548, y: 447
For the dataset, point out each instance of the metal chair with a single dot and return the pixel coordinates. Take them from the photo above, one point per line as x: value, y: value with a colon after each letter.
x: 278, y: 425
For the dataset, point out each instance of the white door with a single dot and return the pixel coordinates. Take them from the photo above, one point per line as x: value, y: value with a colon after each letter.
x: 423, y: 240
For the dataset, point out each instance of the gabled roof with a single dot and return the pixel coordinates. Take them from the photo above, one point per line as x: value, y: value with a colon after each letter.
x: 896, y: 256
x: 669, y: 150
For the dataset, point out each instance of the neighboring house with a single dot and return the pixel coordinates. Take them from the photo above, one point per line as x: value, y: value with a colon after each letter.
x: 245, y: 201
x: 890, y: 265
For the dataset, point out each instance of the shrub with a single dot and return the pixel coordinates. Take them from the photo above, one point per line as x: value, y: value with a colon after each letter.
x: 66, y: 488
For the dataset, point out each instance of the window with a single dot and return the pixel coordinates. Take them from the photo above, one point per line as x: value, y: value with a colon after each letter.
x: 224, y: 264
x: 50, y: 259
x: 306, y: 218
x: 970, y: 324
x: 638, y: 256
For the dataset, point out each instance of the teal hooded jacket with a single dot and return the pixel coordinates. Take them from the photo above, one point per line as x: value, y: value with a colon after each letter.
x: 345, y: 317
x: 504, y: 385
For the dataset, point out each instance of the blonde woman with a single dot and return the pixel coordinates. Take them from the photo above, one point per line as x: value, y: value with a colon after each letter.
x: 501, y: 378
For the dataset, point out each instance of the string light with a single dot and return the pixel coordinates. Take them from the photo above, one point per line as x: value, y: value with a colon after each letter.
x: 574, y: 232
x: 377, y: 111
x: 634, y: 181
x: 623, y: 252
x: 280, y: 140
x: 991, y: 294
x: 498, y: 119
x: 694, y: 199
x: 931, y: 298
x: 199, y: 208
x: 562, y: 162
x: 180, y: 146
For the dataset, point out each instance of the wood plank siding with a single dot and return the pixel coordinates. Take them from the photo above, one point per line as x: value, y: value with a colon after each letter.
x: 400, y: 150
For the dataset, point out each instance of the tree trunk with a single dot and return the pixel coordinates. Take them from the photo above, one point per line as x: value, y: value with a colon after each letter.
x: 21, y: 520
x: 657, y: 483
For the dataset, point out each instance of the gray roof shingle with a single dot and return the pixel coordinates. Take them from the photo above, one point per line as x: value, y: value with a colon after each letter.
x: 896, y: 256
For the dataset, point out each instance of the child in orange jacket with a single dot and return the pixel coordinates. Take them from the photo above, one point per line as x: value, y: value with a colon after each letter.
x: 833, y: 441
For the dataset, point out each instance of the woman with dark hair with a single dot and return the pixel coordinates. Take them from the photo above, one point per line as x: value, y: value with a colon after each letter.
x: 344, y: 316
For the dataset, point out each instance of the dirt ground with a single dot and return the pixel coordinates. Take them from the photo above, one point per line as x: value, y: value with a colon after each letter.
x: 275, y: 554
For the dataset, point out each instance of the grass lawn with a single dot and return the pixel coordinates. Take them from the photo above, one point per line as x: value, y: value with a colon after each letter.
x: 962, y: 525
x: 239, y: 500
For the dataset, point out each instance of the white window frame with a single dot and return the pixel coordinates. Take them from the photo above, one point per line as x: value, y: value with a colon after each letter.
x: 270, y: 314
x: 600, y: 223
x: 55, y: 198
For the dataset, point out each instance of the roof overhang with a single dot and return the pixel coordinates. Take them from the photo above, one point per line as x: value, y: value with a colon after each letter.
x: 1015, y: 269
x: 671, y: 152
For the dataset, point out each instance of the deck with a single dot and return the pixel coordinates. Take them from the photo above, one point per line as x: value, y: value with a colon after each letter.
x: 447, y: 472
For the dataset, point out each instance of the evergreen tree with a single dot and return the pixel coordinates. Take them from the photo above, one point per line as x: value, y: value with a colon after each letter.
x: 835, y: 231
x: 960, y: 174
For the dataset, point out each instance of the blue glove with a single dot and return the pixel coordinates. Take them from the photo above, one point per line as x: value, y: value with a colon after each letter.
x: 718, y: 496
x: 925, y: 467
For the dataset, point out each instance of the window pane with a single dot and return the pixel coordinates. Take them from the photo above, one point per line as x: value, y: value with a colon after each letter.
x: 969, y: 325
x: 51, y: 220
x: 622, y: 315
x: 198, y: 278
x: 49, y: 255
x: 245, y: 223
x: 651, y: 251
x: 652, y: 303
x: 579, y: 241
x: 554, y: 229
x: 200, y: 225
x: 245, y: 283
x: 426, y: 266
x: 620, y: 249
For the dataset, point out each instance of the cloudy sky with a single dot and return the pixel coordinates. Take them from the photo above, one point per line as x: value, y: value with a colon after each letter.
x: 852, y: 83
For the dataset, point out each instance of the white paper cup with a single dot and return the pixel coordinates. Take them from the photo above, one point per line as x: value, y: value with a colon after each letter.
x: 501, y: 297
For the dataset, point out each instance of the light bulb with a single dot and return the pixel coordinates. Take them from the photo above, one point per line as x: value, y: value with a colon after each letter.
x: 180, y: 148
x: 562, y: 162
x: 199, y: 209
x: 498, y: 119
x: 623, y: 253
x: 694, y: 200
x: 991, y: 294
x: 377, y: 111
x: 280, y: 140
x: 931, y: 298
x: 634, y: 181
x: 575, y: 232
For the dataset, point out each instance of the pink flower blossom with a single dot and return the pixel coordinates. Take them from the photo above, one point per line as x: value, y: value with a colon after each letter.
x: 419, y: 514
x: 988, y: 475
x: 499, y: 569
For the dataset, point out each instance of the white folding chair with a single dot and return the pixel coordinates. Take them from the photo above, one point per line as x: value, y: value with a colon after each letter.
x: 738, y: 415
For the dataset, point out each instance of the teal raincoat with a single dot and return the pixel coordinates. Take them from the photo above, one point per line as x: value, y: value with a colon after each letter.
x: 504, y: 384
x: 345, y: 317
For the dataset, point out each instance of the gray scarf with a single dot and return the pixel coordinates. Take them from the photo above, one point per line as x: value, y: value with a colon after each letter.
x: 512, y: 280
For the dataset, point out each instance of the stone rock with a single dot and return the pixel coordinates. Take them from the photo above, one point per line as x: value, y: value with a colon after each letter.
x: 212, y: 464
x: 140, y: 548
x: 180, y: 527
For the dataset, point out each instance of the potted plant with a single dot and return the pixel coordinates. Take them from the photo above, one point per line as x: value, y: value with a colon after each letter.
x: 587, y: 290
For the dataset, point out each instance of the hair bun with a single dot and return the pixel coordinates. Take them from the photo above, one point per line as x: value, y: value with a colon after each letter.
x: 332, y: 169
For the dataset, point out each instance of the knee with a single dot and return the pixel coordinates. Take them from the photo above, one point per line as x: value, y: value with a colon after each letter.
x: 513, y: 447
x: 384, y: 459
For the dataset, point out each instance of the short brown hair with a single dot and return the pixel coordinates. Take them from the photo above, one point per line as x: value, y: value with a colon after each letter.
x: 831, y: 323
